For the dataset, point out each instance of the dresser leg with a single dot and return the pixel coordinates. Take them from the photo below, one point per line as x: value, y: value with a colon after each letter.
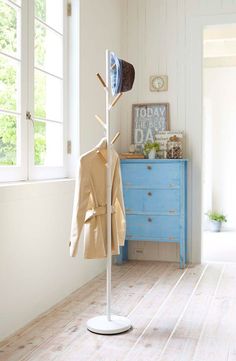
x: 182, y: 255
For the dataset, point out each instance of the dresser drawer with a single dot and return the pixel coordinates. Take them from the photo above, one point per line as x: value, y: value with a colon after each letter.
x: 165, y: 201
x: 164, y: 228
x: 151, y: 175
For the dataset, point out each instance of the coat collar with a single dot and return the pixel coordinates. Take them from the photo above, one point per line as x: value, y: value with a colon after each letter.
x: 102, y: 149
x: 102, y: 144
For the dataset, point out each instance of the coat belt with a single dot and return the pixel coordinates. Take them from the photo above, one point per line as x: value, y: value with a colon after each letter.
x: 97, y: 211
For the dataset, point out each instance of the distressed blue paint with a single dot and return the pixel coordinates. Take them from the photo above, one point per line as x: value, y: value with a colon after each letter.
x: 150, y: 174
x: 155, y: 196
x: 155, y: 201
x: 143, y: 227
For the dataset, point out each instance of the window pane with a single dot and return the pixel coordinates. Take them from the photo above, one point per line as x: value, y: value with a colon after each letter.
x: 9, y: 84
x: 48, y: 49
x: 9, y: 27
x: 45, y: 11
x: 48, y: 144
x: 8, y: 131
x: 48, y: 96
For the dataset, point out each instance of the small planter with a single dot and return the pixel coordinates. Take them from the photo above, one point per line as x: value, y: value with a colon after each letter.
x: 152, y: 154
x: 216, y: 219
x: 215, y: 226
x: 150, y: 149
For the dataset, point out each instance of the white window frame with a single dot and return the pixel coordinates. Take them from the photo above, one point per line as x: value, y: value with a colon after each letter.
x: 19, y: 172
x: 27, y: 170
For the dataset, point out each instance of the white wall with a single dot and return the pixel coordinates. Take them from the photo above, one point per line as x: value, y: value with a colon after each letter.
x: 100, y: 29
x: 158, y: 41
x: 207, y: 159
x: 35, y: 268
x: 219, y: 92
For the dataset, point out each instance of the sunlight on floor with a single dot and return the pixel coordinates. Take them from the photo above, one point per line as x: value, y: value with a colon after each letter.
x: 219, y: 246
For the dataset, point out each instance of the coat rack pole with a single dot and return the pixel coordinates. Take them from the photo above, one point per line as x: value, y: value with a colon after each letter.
x: 108, y: 187
x: 108, y: 324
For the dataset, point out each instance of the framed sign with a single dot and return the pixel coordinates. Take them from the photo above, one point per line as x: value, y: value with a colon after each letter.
x: 147, y: 121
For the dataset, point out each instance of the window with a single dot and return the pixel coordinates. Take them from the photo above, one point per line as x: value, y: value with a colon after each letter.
x: 33, y: 75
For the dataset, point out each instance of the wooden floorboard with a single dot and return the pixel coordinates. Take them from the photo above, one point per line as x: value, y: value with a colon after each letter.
x: 184, y: 336
x: 177, y: 315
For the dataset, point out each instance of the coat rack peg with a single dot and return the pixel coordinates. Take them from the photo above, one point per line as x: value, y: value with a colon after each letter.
x: 100, y: 121
x: 116, y: 100
x: 101, y: 80
x: 115, y: 137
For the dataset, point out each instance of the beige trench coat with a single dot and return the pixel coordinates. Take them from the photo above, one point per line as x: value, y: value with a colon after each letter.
x: 89, y: 211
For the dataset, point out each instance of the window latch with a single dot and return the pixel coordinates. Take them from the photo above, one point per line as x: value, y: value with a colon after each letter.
x: 69, y: 10
x: 69, y: 146
x: 28, y: 115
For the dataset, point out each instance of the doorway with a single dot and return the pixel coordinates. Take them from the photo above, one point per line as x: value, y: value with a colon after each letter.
x: 219, y: 142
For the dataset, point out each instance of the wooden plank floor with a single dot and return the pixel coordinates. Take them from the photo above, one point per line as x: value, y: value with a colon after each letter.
x: 177, y: 315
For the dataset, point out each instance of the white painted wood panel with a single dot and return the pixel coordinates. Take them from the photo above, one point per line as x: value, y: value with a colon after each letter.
x: 159, y: 37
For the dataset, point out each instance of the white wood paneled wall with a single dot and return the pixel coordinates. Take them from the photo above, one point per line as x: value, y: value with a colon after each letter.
x: 155, y: 39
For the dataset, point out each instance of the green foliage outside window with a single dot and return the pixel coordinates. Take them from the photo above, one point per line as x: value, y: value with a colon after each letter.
x: 9, y: 85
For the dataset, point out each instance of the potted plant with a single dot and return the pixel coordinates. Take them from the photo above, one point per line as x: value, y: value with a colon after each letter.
x: 150, y: 149
x: 216, y: 220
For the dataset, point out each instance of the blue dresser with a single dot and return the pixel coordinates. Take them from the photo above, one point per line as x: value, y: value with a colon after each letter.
x: 155, y: 196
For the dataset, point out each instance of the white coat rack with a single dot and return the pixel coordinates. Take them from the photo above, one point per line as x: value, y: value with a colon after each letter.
x: 108, y: 324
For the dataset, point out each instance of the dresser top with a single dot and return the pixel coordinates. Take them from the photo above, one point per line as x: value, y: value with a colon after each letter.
x: 153, y: 160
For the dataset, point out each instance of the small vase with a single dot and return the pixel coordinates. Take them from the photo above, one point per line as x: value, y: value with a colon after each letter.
x: 152, y: 154
x: 215, y: 226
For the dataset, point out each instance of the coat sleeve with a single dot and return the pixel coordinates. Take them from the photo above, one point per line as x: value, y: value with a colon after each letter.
x: 119, y: 198
x: 81, y: 198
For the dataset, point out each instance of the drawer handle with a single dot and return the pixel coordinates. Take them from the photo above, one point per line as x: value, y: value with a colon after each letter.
x: 172, y: 211
x: 149, y: 219
x: 149, y: 167
x: 150, y: 194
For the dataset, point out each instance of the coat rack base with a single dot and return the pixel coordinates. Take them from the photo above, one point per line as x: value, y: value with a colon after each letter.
x: 102, y: 326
